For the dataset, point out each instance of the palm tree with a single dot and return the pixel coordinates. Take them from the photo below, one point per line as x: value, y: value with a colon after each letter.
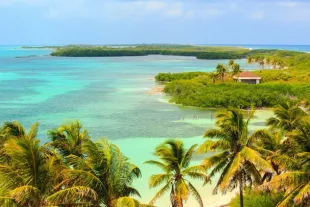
x: 230, y: 64
x: 33, y: 174
x: 213, y: 76
x: 270, y: 144
x: 273, y: 62
x: 281, y: 64
x: 287, y: 116
x: 249, y: 60
x: 267, y: 60
x: 239, y: 163
x: 296, y: 183
x: 106, y: 170
x: 221, y: 70
x: 236, y: 69
x: 175, y: 164
x: 261, y: 62
x: 69, y: 138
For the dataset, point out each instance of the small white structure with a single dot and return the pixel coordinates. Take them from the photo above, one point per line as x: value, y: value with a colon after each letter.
x: 247, y: 77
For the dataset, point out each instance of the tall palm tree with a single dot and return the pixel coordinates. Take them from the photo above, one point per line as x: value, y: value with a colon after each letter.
x: 230, y: 64
x: 296, y: 183
x: 221, y: 70
x: 175, y: 164
x: 106, y: 170
x: 273, y: 62
x: 261, y: 62
x: 213, y: 76
x: 274, y: 149
x: 235, y: 158
x: 69, y: 138
x: 267, y: 61
x: 287, y: 116
x: 33, y: 174
x: 236, y: 69
x: 249, y: 60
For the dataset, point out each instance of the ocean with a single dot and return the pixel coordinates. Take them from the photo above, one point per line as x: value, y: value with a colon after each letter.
x: 110, y: 96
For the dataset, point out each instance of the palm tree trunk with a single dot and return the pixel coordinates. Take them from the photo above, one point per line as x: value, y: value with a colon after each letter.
x: 241, y: 191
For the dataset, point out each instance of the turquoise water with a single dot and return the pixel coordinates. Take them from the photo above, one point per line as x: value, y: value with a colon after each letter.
x: 109, y: 96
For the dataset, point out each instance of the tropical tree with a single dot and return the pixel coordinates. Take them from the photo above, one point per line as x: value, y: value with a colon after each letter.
x: 261, y: 62
x: 295, y: 183
x: 106, y: 170
x: 273, y: 62
x: 213, y: 76
x: 69, y: 138
x: 236, y: 69
x: 175, y: 164
x: 221, y: 70
x: 287, y: 116
x: 236, y: 159
x: 267, y: 61
x: 230, y: 64
x: 281, y: 64
x: 249, y: 60
x: 274, y: 149
x: 33, y: 175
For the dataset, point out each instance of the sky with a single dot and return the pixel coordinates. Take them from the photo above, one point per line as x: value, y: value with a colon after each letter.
x: 54, y: 22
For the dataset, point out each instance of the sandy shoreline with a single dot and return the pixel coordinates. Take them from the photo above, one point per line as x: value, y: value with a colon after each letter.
x: 155, y: 90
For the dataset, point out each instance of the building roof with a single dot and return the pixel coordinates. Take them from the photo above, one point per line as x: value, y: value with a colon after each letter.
x: 247, y: 75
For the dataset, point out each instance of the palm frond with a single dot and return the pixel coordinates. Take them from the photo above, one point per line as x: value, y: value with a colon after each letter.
x: 73, y: 195
x: 195, y: 193
x: 157, y: 179
x: 161, y: 165
x: 160, y: 193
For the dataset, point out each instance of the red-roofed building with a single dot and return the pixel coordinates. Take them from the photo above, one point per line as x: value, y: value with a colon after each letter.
x: 247, y: 77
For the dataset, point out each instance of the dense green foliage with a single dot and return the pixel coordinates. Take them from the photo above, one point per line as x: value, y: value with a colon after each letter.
x: 269, y: 166
x: 177, y: 76
x: 201, y: 52
x: 287, y: 77
x: 257, y: 199
x: 201, y: 93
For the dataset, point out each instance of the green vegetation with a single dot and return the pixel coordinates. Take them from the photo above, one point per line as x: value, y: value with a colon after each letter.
x: 257, y: 199
x: 176, y: 166
x: 269, y: 166
x: 287, y: 78
x: 200, y: 52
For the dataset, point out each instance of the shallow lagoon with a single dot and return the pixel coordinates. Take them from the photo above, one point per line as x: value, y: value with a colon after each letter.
x: 109, y: 96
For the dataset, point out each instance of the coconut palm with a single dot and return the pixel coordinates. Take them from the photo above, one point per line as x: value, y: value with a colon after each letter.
x: 221, y: 70
x: 273, y: 62
x: 69, y: 138
x: 295, y: 183
x: 175, y: 164
x: 213, y: 76
x: 106, y: 170
x: 287, y: 116
x: 230, y: 64
x: 235, y: 159
x: 249, y: 60
x: 236, y: 69
x: 33, y: 174
x: 274, y: 148
x: 261, y: 62
x: 267, y: 61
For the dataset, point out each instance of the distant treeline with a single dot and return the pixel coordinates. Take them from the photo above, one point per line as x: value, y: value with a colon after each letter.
x: 200, y: 52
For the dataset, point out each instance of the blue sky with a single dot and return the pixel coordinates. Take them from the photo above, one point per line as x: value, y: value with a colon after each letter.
x: 154, y: 21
